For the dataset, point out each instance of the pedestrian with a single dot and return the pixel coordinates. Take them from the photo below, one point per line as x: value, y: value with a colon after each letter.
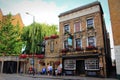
x: 56, y: 72
x: 51, y: 69
x: 44, y: 70
x: 59, y: 70
x: 48, y: 69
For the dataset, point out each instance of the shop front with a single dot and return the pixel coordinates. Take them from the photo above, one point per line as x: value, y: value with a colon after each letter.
x: 81, y: 65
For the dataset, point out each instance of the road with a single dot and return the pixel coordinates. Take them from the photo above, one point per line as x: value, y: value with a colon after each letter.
x: 42, y: 77
x: 19, y: 77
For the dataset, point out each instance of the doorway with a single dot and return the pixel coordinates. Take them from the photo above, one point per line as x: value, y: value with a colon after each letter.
x: 80, y: 67
x: 10, y: 67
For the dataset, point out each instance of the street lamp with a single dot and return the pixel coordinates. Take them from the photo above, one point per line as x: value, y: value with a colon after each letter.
x: 32, y: 40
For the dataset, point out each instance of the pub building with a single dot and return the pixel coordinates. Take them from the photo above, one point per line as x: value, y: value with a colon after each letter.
x: 84, y: 46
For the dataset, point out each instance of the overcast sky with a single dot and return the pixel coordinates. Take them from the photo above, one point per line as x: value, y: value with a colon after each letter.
x: 47, y: 11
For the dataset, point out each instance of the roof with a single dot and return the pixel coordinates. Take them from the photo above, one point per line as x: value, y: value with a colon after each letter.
x: 81, y: 8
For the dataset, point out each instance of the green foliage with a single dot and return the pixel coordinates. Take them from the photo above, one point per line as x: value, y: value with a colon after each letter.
x: 34, y: 35
x: 10, y: 37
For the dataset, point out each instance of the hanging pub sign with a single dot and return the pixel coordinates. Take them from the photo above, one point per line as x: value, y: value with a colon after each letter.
x: 69, y: 41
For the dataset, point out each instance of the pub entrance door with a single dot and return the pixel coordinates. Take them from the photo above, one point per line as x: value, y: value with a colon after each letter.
x: 80, y: 67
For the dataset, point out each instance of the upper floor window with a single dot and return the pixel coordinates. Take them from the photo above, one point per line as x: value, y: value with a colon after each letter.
x: 77, y: 27
x: 90, y: 23
x: 66, y: 28
x: 91, y: 41
x: 66, y: 44
x: 52, y: 46
x: 78, y: 43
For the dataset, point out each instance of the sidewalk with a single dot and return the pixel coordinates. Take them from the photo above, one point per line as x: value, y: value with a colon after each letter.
x: 68, y: 77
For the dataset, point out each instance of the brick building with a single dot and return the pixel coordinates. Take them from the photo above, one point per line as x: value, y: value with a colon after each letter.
x: 114, y: 6
x: 83, y: 44
x: 17, y: 19
x: 52, y: 51
x: 8, y: 63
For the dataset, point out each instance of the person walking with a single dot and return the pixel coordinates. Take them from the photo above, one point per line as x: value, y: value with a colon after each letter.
x: 48, y: 69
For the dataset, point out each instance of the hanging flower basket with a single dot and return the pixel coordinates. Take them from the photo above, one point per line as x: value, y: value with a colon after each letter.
x: 64, y: 50
x: 90, y: 27
x: 91, y: 48
x: 54, y: 36
x: 40, y: 56
x: 30, y: 56
x: 79, y: 49
x: 23, y: 56
x: 46, y: 38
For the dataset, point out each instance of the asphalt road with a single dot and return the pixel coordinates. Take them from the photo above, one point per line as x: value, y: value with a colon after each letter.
x: 19, y: 77
x: 43, y: 77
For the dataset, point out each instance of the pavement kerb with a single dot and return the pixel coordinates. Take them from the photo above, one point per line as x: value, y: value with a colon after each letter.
x: 43, y: 76
x: 67, y: 77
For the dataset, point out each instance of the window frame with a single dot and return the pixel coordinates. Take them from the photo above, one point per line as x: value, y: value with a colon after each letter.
x: 51, y: 46
x: 94, y: 40
x: 76, y: 43
x: 92, y: 64
x: 79, y: 26
x: 87, y: 23
x: 64, y: 44
x: 64, y: 28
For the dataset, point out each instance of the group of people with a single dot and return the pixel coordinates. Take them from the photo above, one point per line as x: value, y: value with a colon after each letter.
x: 49, y: 70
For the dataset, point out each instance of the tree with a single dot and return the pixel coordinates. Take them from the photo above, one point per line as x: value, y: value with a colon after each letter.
x: 10, y: 37
x: 34, y: 34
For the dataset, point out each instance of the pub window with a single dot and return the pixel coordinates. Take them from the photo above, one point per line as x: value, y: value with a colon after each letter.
x: 90, y: 23
x: 92, y: 64
x: 78, y: 43
x: 52, y: 46
x: 66, y: 44
x: 77, y: 26
x: 91, y: 41
x: 66, y: 28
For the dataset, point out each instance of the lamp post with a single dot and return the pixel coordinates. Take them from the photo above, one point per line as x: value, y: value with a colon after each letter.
x: 32, y: 40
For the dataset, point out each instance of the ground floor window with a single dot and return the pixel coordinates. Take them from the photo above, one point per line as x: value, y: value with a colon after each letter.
x: 70, y: 64
x: 92, y: 64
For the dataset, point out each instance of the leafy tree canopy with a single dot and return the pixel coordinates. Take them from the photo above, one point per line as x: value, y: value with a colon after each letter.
x: 10, y: 36
x: 34, y: 35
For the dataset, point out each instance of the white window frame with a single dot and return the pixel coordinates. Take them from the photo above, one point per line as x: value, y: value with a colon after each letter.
x: 75, y: 42
x: 80, y: 26
x: 93, y: 22
x: 93, y: 62
x: 64, y: 28
x: 64, y: 44
x: 94, y: 40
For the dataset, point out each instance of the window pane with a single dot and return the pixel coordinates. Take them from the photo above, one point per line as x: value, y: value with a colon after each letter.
x: 51, y: 46
x: 78, y: 42
x: 66, y: 28
x: 91, y: 41
x: 91, y: 64
x: 65, y: 44
x: 77, y: 26
x: 90, y: 22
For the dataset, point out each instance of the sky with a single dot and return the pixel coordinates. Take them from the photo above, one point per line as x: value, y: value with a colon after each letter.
x: 47, y: 11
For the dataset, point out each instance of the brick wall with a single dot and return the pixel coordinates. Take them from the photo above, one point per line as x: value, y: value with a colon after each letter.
x: 97, y: 24
x: 114, y: 6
